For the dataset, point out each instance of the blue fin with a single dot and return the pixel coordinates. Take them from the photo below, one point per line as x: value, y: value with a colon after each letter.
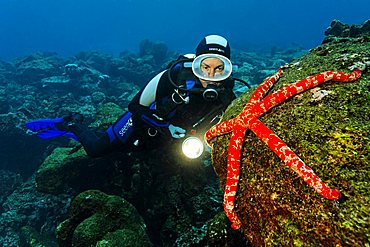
x: 43, y: 124
x: 46, y: 134
x: 46, y: 129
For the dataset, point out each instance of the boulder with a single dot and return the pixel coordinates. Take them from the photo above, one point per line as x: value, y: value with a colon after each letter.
x: 31, y: 69
x: 98, y: 219
x: 60, y: 170
x: 329, y: 131
x: 338, y: 31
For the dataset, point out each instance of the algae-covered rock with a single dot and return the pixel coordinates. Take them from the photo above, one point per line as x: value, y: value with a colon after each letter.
x: 66, y: 167
x: 61, y: 168
x: 98, y: 219
x: 340, y: 31
x: 107, y: 114
x: 70, y: 168
x: 328, y: 128
x: 125, y: 237
x: 31, y: 69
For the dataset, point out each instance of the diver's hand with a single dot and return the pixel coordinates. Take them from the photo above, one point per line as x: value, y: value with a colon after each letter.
x: 176, y: 132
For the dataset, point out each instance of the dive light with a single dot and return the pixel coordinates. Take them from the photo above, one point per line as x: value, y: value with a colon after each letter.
x: 192, y: 147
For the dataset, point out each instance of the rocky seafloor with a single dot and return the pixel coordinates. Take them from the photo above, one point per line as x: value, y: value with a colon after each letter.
x: 53, y: 194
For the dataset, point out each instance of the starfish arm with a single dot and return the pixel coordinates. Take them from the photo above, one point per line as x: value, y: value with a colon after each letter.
x: 258, y: 94
x: 263, y: 88
x: 233, y: 172
x: 292, y: 160
x: 291, y: 90
x: 219, y: 129
x: 343, y: 77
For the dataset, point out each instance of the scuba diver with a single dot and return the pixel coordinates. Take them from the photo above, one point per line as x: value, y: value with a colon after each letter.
x: 193, y: 89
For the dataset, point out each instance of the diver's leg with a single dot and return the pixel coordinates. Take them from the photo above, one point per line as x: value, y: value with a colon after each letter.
x: 94, y: 145
x: 116, y: 135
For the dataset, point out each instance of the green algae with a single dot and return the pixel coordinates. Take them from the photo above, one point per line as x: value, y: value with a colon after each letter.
x: 106, y: 115
x: 124, y: 237
x: 60, y: 167
x: 65, y: 167
x: 98, y: 219
x: 331, y: 135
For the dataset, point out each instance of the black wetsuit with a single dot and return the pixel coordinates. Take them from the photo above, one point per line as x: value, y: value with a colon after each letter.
x: 153, y: 109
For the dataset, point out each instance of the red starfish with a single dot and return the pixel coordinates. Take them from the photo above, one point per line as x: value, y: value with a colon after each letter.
x: 248, y: 119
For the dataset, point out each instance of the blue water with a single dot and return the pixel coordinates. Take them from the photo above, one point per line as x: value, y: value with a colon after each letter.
x: 112, y: 26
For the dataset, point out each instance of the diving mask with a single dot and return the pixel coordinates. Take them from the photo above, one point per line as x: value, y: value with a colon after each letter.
x: 212, y: 67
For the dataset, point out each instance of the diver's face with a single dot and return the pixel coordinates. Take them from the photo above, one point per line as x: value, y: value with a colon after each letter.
x: 211, y: 67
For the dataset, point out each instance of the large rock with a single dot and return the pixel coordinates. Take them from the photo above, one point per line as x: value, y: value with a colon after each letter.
x: 66, y: 167
x: 69, y: 168
x: 31, y: 69
x: 98, y: 219
x: 341, y: 32
x: 60, y: 170
x: 331, y: 135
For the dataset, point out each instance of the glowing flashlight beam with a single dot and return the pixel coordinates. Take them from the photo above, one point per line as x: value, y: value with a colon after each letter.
x: 192, y: 147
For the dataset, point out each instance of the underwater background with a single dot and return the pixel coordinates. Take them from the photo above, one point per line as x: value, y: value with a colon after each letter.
x: 112, y: 26
x: 92, y: 57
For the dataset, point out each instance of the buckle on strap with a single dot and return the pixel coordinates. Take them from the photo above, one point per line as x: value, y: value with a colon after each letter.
x: 181, y: 98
